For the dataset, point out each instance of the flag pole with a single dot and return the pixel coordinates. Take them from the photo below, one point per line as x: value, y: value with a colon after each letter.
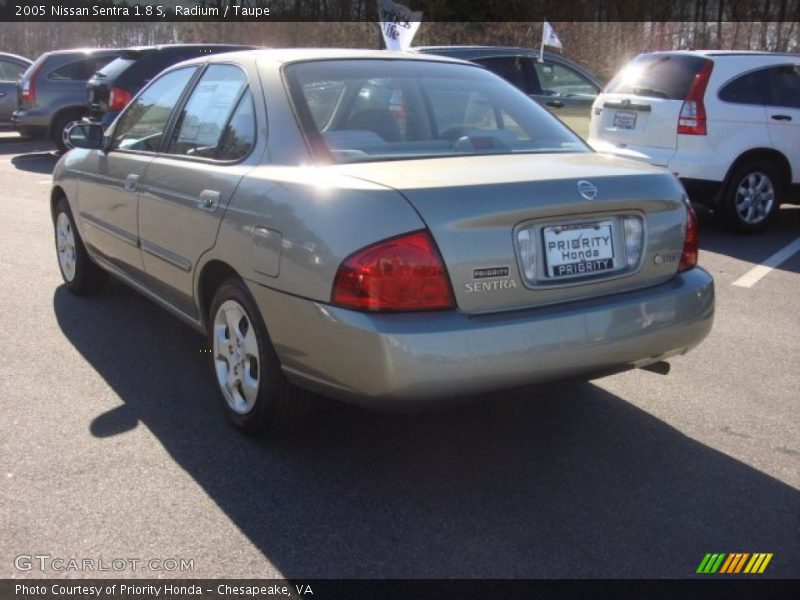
x: 541, y: 48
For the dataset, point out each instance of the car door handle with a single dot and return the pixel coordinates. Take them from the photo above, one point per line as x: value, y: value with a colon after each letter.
x: 555, y: 103
x: 2, y: 94
x: 209, y: 200
x: 781, y: 118
x: 131, y: 182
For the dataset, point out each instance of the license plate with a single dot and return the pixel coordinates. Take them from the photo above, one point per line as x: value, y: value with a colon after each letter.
x: 579, y: 249
x: 625, y: 119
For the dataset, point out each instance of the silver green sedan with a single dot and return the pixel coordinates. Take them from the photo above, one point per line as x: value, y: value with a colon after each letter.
x: 386, y: 229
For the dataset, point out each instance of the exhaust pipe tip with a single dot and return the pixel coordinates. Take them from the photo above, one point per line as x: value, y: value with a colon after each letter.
x: 661, y: 367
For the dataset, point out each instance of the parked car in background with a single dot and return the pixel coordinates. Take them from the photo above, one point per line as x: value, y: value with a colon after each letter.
x: 726, y: 123
x: 407, y: 228
x: 52, y: 92
x: 11, y: 69
x: 113, y: 86
x: 559, y: 84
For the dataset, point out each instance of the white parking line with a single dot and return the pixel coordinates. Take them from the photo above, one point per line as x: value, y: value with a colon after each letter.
x: 755, y: 274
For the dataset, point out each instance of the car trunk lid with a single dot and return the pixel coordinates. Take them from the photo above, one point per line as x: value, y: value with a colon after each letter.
x: 487, y: 213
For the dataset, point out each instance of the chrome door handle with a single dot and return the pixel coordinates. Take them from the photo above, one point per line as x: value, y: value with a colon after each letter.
x: 131, y: 183
x: 2, y: 94
x: 209, y: 200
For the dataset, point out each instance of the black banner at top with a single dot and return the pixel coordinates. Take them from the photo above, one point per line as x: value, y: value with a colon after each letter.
x: 532, y: 11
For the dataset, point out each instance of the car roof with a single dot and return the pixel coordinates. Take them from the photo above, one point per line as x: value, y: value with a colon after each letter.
x: 726, y: 53
x: 182, y: 46
x: 15, y: 57
x: 486, y: 51
x: 82, y: 51
x: 480, y: 52
x: 468, y: 48
x: 290, y: 55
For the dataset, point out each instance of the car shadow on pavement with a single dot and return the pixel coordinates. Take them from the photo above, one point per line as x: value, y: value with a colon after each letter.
x: 18, y: 145
x: 753, y: 248
x: 38, y: 162
x: 565, y: 480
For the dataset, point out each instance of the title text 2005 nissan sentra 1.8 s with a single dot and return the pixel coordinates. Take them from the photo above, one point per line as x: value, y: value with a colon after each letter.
x: 381, y: 228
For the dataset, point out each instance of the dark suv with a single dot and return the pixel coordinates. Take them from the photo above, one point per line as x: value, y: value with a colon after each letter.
x: 52, y: 92
x: 559, y: 84
x: 113, y: 86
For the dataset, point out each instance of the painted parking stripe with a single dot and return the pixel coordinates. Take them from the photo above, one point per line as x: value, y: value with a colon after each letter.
x: 755, y: 274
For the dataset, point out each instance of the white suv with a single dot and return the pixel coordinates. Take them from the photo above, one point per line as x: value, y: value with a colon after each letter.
x: 726, y: 123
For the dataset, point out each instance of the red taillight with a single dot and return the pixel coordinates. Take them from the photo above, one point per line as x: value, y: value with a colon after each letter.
x: 692, y: 120
x: 118, y: 98
x: 28, y: 89
x: 402, y: 273
x: 690, y: 241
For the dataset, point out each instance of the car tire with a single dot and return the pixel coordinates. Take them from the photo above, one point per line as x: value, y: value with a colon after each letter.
x: 60, y: 128
x: 81, y: 275
x: 254, y: 392
x: 751, y: 196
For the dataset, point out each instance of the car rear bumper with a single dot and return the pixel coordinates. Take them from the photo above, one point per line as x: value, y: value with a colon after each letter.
x: 659, y: 157
x: 694, y: 159
x: 30, y: 121
x: 380, y: 360
x: 702, y: 191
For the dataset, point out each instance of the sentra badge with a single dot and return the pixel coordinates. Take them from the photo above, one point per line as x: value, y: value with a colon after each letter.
x: 498, y: 280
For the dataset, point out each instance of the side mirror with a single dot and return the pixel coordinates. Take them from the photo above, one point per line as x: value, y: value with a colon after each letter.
x: 86, y: 135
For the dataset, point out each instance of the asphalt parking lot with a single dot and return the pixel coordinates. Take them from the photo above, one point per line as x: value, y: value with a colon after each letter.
x: 113, y: 445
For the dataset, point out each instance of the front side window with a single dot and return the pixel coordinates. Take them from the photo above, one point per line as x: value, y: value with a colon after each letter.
x: 217, y: 120
x: 557, y: 80
x: 391, y: 109
x: 784, y: 86
x: 142, y: 126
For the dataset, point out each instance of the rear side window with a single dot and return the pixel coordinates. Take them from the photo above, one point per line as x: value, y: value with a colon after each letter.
x: 750, y: 88
x: 511, y: 68
x: 80, y: 70
x: 239, y: 134
x: 114, y: 68
x: 784, y: 86
x: 217, y: 120
x: 657, y: 75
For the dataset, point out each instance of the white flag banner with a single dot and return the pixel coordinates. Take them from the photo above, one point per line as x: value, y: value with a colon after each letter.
x: 398, y: 24
x: 549, y: 37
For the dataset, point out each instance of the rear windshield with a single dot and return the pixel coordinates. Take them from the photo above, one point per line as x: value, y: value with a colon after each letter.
x: 113, y: 69
x: 657, y: 75
x: 368, y: 110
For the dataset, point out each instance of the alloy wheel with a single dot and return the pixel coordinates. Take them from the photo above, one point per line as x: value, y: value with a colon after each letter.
x: 65, y: 243
x: 755, y: 198
x: 236, y: 357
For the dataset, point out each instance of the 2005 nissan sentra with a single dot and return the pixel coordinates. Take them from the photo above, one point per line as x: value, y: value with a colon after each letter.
x: 381, y: 228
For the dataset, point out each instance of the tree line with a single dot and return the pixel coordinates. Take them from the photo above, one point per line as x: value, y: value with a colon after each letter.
x: 602, y: 46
